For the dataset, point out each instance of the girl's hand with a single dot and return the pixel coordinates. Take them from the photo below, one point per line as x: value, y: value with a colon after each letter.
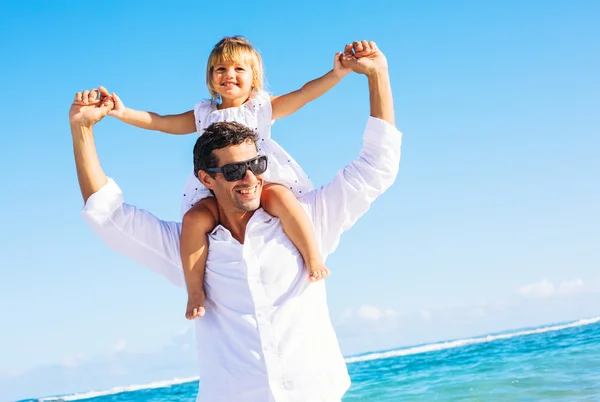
x: 338, y: 69
x: 119, y: 108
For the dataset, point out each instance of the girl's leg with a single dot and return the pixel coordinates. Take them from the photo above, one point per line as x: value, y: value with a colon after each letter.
x: 197, y: 223
x: 281, y: 202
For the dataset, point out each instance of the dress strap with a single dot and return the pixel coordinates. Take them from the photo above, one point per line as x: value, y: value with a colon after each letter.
x: 261, y: 100
x: 201, y: 111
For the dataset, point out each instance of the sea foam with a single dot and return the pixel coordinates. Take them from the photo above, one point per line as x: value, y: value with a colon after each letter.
x: 465, y: 342
x: 118, y: 390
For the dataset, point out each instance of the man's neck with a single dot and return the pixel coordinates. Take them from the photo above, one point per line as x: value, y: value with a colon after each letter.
x: 235, y: 222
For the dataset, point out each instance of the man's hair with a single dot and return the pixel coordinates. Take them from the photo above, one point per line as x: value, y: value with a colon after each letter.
x: 216, y: 136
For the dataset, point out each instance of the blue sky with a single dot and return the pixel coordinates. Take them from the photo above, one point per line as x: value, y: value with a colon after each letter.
x: 492, y: 224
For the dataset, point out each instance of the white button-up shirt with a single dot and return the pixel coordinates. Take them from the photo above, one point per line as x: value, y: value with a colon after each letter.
x: 266, y: 335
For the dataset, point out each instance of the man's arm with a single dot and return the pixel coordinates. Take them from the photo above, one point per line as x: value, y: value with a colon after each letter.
x: 134, y: 233
x: 366, y: 58
x: 336, y: 206
x: 88, y: 108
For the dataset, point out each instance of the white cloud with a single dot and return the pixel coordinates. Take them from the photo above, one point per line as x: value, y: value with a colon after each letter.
x: 378, y: 316
x: 347, y: 313
x: 185, y: 330
x: 8, y: 374
x: 478, y: 312
x: 425, y: 315
x: 120, y: 346
x: 544, y: 288
x: 72, y: 362
x: 370, y: 313
x: 569, y: 287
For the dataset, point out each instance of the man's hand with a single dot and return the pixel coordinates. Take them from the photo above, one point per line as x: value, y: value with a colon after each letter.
x: 89, y: 107
x: 364, y: 58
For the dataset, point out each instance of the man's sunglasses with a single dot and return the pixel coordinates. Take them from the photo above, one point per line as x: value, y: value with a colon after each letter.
x: 237, y: 170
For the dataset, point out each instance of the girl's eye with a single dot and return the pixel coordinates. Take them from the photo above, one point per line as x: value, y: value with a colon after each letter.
x: 240, y: 69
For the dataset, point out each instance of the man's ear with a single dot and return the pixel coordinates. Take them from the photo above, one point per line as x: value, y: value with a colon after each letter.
x: 205, y: 179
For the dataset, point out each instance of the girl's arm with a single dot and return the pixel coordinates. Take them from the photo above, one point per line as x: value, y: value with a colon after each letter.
x: 287, y: 104
x: 183, y: 123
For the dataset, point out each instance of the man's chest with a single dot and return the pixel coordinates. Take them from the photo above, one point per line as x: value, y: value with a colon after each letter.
x: 267, y: 267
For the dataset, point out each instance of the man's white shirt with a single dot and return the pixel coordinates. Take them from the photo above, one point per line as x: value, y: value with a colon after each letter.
x: 266, y: 335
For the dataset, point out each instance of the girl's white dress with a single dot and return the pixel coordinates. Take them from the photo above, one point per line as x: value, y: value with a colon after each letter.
x: 256, y: 113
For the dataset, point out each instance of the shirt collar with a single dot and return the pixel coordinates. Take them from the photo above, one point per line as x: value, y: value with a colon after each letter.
x: 260, y: 216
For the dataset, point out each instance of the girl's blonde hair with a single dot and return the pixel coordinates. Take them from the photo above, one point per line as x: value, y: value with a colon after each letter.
x: 237, y: 49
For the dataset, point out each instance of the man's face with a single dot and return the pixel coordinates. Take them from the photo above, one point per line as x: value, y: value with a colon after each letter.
x: 242, y: 195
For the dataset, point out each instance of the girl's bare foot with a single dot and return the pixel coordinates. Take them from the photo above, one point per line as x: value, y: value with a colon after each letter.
x: 195, y: 305
x: 316, y: 270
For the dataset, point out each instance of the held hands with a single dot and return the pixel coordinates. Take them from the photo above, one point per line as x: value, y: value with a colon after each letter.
x: 339, y: 70
x: 89, y: 107
x: 364, y: 57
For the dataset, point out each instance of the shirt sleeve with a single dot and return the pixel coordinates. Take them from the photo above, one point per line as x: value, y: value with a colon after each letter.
x: 336, y: 206
x: 135, y: 233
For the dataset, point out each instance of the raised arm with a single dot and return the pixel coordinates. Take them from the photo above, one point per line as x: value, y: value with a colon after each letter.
x: 88, y: 108
x: 130, y: 231
x: 183, y: 123
x: 366, y: 58
x: 336, y: 206
x: 287, y: 104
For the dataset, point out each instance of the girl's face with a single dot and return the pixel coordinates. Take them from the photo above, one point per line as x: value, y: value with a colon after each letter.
x: 232, y: 80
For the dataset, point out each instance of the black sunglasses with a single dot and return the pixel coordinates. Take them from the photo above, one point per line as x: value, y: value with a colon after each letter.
x: 237, y: 170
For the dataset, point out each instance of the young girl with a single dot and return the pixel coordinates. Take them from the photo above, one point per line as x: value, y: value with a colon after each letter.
x: 234, y: 76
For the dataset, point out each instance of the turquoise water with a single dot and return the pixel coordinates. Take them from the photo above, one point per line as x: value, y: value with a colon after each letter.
x: 553, y: 363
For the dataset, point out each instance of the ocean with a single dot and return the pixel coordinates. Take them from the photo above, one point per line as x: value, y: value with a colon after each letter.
x: 551, y: 363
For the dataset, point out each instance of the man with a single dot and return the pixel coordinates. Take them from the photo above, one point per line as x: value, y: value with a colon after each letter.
x: 266, y: 335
